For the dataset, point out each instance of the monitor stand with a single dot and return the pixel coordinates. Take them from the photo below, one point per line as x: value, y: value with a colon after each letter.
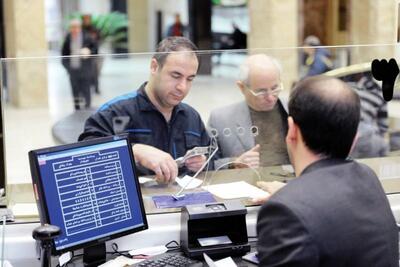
x: 94, y: 255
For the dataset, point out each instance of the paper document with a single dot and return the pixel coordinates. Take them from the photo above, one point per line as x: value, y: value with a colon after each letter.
x: 64, y: 258
x: 120, y: 261
x: 288, y: 168
x: 188, y: 182
x: 167, y: 201
x: 240, y: 189
x: 6, y: 263
x: 226, y: 262
x: 25, y: 210
x: 143, y: 180
x: 389, y: 171
x: 149, y: 251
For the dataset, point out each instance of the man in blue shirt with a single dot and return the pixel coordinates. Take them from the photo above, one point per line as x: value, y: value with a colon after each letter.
x: 160, y: 127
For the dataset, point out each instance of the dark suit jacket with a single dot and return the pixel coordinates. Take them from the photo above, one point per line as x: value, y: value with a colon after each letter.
x: 335, y: 214
x: 87, y: 63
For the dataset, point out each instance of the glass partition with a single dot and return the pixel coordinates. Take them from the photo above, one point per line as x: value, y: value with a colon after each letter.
x: 40, y: 110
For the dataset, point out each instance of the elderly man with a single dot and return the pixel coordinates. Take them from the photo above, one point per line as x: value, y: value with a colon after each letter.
x: 160, y: 127
x: 335, y: 213
x: 252, y: 132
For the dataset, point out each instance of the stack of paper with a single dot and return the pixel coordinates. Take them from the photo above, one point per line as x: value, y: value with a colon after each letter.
x: 25, y: 210
x: 225, y: 262
x: 236, y: 190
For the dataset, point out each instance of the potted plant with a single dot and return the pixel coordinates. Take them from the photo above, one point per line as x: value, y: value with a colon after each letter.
x: 111, y: 28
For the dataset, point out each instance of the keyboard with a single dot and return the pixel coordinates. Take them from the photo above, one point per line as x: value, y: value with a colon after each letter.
x: 169, y: 260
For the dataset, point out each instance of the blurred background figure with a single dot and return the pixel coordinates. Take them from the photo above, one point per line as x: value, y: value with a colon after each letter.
x: 78, y: 46
x: 374, y: 123
x: 316, y: 59
x: 236, y: 40
x: 89, y: 29
x: 177, y: 29
x: 239, y: 38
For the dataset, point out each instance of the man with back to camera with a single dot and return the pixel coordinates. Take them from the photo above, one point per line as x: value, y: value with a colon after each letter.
x: 335, y: 213
x: 160, y: 127
x: 253, y: 131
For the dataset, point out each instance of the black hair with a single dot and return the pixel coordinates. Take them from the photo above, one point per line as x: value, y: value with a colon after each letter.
x: 173, y: 44
x: 327, y: 115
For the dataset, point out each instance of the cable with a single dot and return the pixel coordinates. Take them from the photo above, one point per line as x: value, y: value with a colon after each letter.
x: 173, y: 248
x: 178, y: 194
x: 125, y: 253
x: 213, y: 143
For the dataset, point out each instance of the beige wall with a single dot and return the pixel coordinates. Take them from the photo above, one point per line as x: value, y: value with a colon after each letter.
x: 373, y: 22
x: 25, y: 37
x: 138, y: 26
x: 275, y: 25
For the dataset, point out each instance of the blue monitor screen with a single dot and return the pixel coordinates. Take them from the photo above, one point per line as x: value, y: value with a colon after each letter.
x: 90, y: 192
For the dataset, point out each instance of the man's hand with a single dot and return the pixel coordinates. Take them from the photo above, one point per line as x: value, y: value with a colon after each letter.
x: 270, y: 187
x: 195, y: 163
x: 160, y: 162
x: 250, y: 158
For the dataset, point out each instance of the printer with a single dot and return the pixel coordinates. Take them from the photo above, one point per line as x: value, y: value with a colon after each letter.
x: 217, y: 229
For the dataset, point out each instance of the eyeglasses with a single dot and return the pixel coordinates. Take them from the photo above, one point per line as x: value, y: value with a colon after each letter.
x: 274, y: 91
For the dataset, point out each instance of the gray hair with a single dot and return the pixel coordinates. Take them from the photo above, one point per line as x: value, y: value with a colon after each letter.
x: 244, y: 69
x: 75, y: 22
x: 312, y: 40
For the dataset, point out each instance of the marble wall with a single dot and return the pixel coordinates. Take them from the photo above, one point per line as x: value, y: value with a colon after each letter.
x: 274, y: 25
x: 373, y: 22
x: 25, y: 37
x: 138, y: 13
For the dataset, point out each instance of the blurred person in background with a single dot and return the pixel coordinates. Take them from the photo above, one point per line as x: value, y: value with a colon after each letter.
x: 372, y: 140
x: 317, y: 60
x: 90, y: 29
x: 177, y: 28
x: 76, y: 49
x: 239, y: 38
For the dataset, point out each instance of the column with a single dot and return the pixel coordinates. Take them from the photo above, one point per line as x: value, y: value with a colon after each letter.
x: 25, y: 37
x: 274, y: 24
x: 138, y: 25
x: 373, y: 22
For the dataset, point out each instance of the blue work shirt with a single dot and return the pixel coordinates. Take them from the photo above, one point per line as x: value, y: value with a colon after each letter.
x: 135, y: 115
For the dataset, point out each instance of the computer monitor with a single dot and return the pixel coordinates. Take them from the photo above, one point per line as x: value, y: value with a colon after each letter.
x: 91, y: 191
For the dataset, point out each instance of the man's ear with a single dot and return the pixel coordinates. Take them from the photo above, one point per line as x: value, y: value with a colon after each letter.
x: 154, y: 66
x: 293, y: 131
x: 241, y: 86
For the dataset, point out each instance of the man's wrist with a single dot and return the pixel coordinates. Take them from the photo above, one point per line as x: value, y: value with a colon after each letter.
x: 136, y: 152
x: 235, y: 164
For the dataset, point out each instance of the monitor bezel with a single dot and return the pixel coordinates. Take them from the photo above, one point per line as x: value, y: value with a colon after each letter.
x: 40, y: 195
